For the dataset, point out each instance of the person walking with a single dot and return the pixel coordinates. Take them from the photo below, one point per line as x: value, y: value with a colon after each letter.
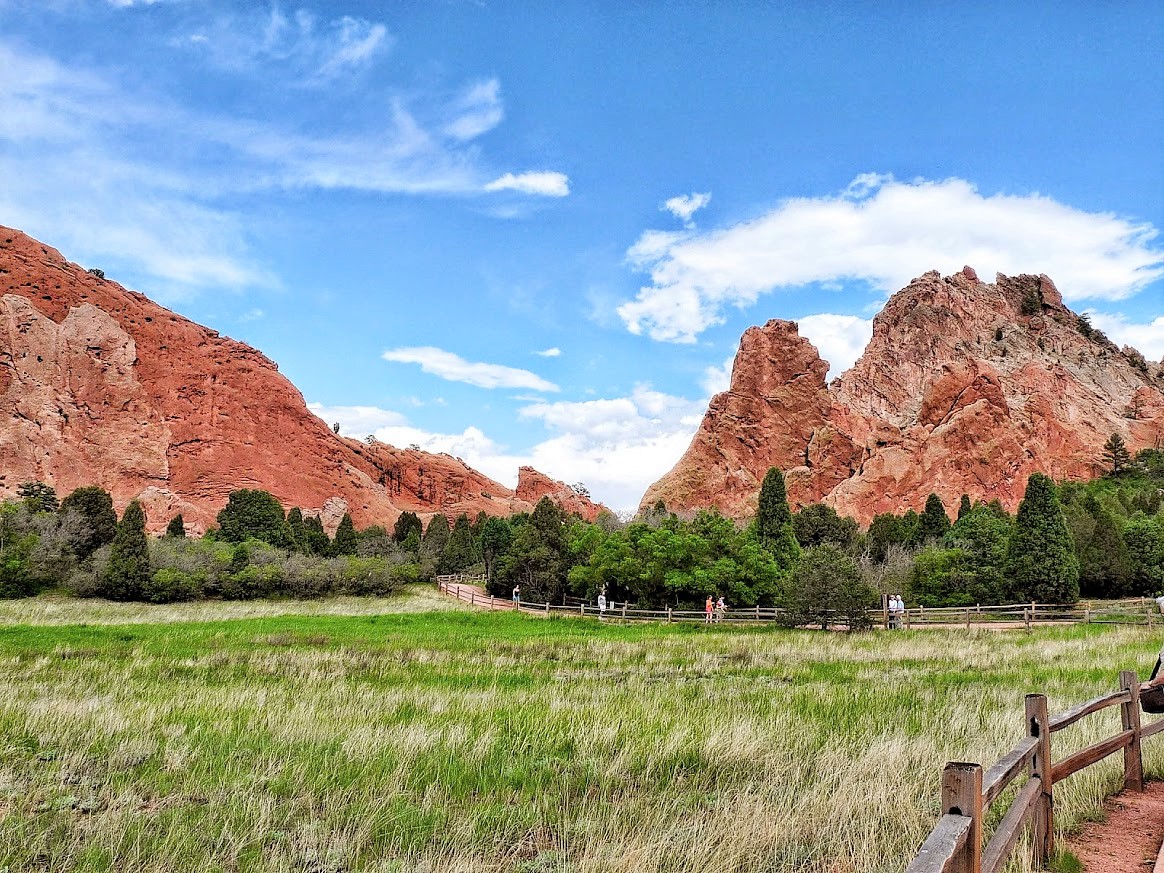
x: 517, y: 596
x: 720, y: 609
x: 602, y: 604
x: 707, y: 610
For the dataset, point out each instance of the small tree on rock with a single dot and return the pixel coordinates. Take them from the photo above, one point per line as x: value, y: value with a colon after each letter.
x: 39, y: 497
x: 1116, y: 454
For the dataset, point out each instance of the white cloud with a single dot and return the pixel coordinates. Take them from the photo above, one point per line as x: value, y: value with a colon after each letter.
x: 121, y: 179
x: 1147, y: 338
x: 252, y: 315
x: 453, y: 367
x: 840, y: 339
x: 617, y: 446
x: 686, y: 205
x: 477, y: 111
x: 554, y: 352
x: 543, y: 184
x: 358, y: 421
x: 718, y: 378
x: 884, y: 232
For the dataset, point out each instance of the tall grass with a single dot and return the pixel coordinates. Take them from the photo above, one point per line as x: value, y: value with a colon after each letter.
x: 461, y: 741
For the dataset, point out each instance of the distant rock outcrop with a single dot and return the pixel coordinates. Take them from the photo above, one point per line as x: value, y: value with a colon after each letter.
x: 99, y: 385
x: 965, y: 387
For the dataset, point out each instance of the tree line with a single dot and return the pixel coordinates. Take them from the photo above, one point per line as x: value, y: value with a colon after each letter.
x: 1099, y: 539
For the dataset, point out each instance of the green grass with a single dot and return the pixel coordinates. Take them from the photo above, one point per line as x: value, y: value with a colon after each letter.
x: 412, y: 740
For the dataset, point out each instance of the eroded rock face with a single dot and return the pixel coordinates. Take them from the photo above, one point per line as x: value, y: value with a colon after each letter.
x: 99, y: 385
x: 532, y: 486
x: 965, y: 387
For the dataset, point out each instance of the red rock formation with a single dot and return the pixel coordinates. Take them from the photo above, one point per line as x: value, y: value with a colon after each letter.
x: 957, y: 392
x: 532, y: 486
x: 99, y: 385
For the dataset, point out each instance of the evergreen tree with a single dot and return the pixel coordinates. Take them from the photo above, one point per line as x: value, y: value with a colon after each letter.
x: 885, y: 530
x: 774, y: 521
x: 819, y: 523
x: 934, y: 522
x: 536, y: 556
x: 479, y: 525
x: 95, y: 506
x: 296, y: 535
x: 252, y: 514
x: 129, y: 570
x: 318, y: 542
x: 436, y: 537
x: 496, y: 535
x: 1040, y: 560
x: 460, y: 551
x: 1104, y: 567
x: 345, y: 537
x: 964, y: 506
x: 407, y: 524
x: 39, y: 497
x: 1145, y: 542
x: 177, y: 527
x: 826, y: 588
x: 1116, y: 454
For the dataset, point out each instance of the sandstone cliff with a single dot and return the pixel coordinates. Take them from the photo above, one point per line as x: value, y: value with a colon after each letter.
x: 99, y: 385
x: 965, y: 387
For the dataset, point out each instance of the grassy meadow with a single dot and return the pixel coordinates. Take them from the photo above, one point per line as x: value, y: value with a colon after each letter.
x: 398, y: 735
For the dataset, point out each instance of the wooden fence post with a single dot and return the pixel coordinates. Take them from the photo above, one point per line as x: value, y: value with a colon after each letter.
x: 1043, y: 821
x: 582, y: 609
x: 1027, y: 618
x: 962, y: 795
x: 490, y: 601
x: 1130, y: 718
x: 472, y: 597
x: 757, y: 612
x: 967, y: 618
x: 885, y: 611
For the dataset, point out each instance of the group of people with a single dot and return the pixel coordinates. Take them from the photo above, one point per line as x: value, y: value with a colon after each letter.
x: 714, y: 610
x: 896, y: 607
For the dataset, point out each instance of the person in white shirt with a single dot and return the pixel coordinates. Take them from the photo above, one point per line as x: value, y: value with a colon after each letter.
x: 602, y: 604
x: 1160, y: 603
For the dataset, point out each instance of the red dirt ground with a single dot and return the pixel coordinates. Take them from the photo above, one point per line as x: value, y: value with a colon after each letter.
x: 1130, y: 838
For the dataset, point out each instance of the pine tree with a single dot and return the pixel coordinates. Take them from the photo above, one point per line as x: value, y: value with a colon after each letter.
x: 297, y: 532
x: 318, y: 542
x: 253, y: 514
x: 1116, y: 454
x: 496, y: 535
x: 460, y: 551
x: 95, y: 506
x: 1104, y: 566
x: 964, y: 507
x: 129, y: 569
x: 436, y: 537
x: 177, y: 527
x: 345, y: 537
x: 39, y: 497
x: 934, y: 521
x: 407, y: 523
x: 774, y: 521
x: 1040, y: 559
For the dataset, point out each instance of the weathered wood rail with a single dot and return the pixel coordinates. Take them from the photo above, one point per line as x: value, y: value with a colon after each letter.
x: 958, y: 842
x: 1133, y: 611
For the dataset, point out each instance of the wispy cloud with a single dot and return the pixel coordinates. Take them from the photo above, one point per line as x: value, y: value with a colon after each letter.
x: 357, y: 421
x: 477, y: 111
x: 118, y: 175
x: 686, y: 205
x: 454, y: 368
x: 884, y: 232
x: 545, y: 184
x: 554, y: 352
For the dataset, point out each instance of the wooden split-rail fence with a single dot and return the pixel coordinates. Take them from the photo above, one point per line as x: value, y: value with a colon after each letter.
x: 1138, y: 610
x: 958, y: 842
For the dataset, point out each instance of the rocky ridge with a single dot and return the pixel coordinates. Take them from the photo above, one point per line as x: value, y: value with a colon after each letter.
x: 965, y: 387
x: 99, y: 385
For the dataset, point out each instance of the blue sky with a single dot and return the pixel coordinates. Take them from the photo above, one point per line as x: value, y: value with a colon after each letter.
x: 533, y: 233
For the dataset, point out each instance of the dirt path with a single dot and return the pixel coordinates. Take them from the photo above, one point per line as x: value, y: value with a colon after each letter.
x: 1128, y: 841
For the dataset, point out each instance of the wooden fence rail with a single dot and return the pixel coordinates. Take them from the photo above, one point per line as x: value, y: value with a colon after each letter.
x: 957, y: 842
x: 1132, y: 611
